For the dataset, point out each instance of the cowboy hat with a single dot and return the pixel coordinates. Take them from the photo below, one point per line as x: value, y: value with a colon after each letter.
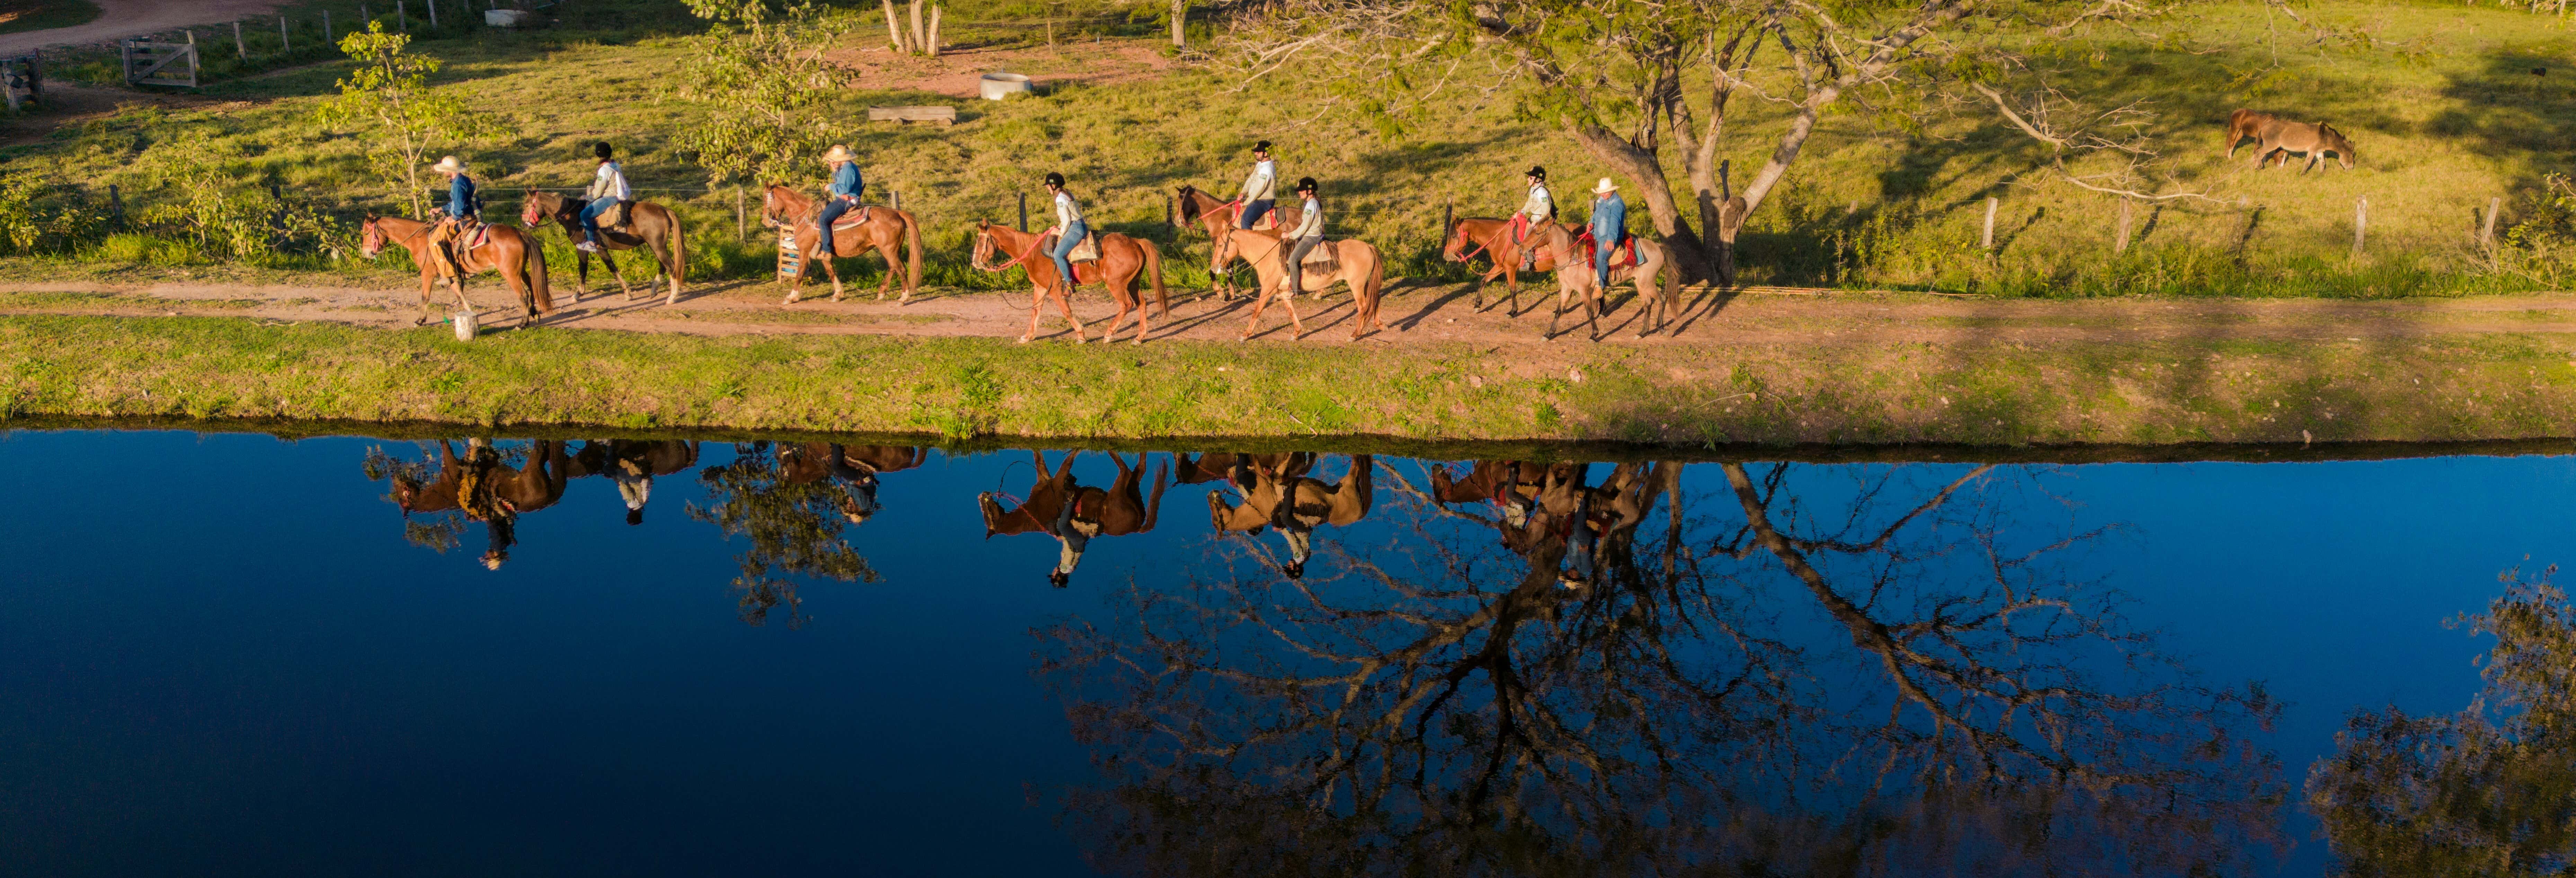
x: 839, y: 153
x: 1606, y: 187
x: 448, y: 165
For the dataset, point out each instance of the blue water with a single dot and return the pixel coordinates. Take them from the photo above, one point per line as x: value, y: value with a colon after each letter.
x: 220, y: 654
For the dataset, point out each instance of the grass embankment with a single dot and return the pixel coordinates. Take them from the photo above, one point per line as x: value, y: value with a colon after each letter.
x: 2440, y: 98
x: 27, y: 15
x: 2490, y: 387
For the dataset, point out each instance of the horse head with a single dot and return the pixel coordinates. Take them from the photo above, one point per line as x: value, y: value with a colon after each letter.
x: 1455, y: 248
x: 371, y: 237
x: 1189, y: 203
x: 533, y: 209
x: 2336, y: 141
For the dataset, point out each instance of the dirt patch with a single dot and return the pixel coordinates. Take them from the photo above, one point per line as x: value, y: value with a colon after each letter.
x: 956, y: 72
x: 119, y: 19
x: 69, y: 104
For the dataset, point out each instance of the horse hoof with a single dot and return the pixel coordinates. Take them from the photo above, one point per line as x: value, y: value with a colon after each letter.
x: 1024, y: 339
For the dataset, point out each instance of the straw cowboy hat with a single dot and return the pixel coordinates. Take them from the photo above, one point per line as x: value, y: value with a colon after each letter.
x: 449, y: 165
x: 1606, y: 187
x: 839, y: 153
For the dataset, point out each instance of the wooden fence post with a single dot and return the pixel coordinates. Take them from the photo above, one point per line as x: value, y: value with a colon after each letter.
x: 1987, y: 240
x: 894, y: 199
x: 2360, y: 222
x: 1024, y: 212
x: 363, y: 15
x: 2486, y: 234
x: 1448, y: 220
x: 741, y: 220
x: 283, y: 44
x: 240, y: 48
x: 402, y: 17
x: 433, y: 12
x: 328, y: 38
x: 115, y: 207
x: 2122, y: 245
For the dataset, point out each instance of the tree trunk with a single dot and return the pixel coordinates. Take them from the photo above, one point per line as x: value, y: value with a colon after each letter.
x: 1646, y: 172
x: 1180, y: 24
x: 933, y: 46
x: 894, y: 25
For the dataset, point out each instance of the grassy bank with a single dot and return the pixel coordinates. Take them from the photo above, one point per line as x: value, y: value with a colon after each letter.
x: 2489, y: 387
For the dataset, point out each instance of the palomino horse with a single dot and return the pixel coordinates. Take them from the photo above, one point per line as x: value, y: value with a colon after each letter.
x: 1122, y: 258
x: 881, y: 229
x: 2274, y: 135
x: 1469, y: 236
x: 650, y: 227
x: 1215, y: 217
x: 1574, y: 277
x: 1073, y: 514
x: 1353, y: 263
x: 1284, y: 497
x: 513, y: 253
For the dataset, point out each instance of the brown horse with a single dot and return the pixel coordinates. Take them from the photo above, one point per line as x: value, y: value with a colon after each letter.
x: 1355, y: 264
x: 1215, y: 217
x: 515, y: 254
x: 1072, y: 513
x: 881, y: 229
x: 2274, y: 135
x: 650, y: 227
x: 1573, y: 256
x: 1285, y: 498
x: 1122, y: 259
x: 1470, y: 236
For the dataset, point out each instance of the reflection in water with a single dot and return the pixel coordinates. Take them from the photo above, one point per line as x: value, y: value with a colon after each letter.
x: 1551, y: 667
x: 2488, y: 791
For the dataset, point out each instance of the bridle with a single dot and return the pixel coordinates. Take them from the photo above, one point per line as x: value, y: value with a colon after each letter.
x: 986, y: 241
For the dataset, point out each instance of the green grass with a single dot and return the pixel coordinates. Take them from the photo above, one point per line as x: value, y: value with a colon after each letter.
x: 27, y: 15
x: 2503, y: 387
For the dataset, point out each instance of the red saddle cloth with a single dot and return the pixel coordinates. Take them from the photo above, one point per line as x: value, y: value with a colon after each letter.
x: 1624, y: 257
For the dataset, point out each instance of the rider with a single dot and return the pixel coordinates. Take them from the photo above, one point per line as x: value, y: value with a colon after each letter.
x: 1609, y: 228
x: 1260, y: 189
x: 460, y: 208
x: 1309, y: 232
x: 1069, y: 229
x: 607, y: 188
x: 1538, y: 209
x: 844, y: 193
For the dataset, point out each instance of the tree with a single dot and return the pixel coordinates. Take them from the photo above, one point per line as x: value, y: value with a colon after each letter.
x: 390, y: 92
x: 794, y: 526
x: 767, y: 93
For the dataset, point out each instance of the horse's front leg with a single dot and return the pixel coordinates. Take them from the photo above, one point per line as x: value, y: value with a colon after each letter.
x: 833, y: 272
x: 1592, y: 313
x: 1260, y: 302
x: 1037, y: 299
x: 1064, y: 300
x: 427, y: 278
x: 1554, y: 314
x: 796, y: 282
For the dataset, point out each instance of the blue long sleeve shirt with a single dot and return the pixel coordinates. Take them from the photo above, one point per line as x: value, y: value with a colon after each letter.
x: 460, y: 196
x: 1609, y: 220
x: 846, y: 180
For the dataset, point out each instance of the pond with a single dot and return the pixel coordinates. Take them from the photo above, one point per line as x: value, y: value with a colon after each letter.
x: 236, y: 654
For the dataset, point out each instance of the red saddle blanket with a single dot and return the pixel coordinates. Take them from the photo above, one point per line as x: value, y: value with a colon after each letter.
x: 854, y: 217
x: 1623, y: 257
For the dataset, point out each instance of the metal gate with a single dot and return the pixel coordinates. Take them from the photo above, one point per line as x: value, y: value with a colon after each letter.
x: 149, y: 63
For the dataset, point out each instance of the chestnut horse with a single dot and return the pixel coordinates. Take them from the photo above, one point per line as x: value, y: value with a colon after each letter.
x: 1122, y: 258
x: 882, y: 229
x: 513, y: 253
x: 1215, y: 217
x: 1353, y: 263
x: 1469, y: 236
x: 650, y: 227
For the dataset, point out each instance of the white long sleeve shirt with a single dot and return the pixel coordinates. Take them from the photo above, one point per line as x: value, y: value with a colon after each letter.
x: 1263, y: 185
x: 610, y: 183
x: 1066, y: 212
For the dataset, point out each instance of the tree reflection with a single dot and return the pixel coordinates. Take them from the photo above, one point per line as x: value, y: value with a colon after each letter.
x: 2489, y: 791
x: 791, y: 502
x: 1816, y: 670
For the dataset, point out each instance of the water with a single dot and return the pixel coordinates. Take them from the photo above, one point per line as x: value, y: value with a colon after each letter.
x: 230, y: 654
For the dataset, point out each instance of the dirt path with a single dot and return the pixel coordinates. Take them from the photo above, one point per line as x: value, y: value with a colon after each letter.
x: 1413, y: 315
x: 127, y: 18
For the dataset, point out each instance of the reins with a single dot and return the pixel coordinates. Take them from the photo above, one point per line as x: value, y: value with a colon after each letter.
x: 1016, y: 262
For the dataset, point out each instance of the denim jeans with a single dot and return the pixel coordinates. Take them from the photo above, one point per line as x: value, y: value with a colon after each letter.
x: 590, y: 217
x: 1073, y: 235
x: 832, y: 210
x: 1253, y: 212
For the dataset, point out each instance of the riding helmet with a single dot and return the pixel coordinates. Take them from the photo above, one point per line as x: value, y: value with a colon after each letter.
x: 1055, y: 179
x: 1539, y: 172
x: 1305, y: 184
x: 1263, y: 146
x: 601, y: 149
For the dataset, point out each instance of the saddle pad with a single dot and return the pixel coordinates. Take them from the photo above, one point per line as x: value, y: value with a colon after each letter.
x: 480, y: 235
x: 616, y: 215
x: 1321, y: 260
x: 1087, y: 251
x: 1624, y: 257
x: 852, y: 219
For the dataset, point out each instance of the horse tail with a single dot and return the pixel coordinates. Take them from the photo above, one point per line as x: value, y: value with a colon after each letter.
x: 535, y: 267
x: 1154, y: 269
x: 679, y: 253
x: 1377, y: 284
x: 912, y: 253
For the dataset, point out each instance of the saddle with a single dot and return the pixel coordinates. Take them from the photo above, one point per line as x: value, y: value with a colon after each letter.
x: 1625, y: 256
x: 853, y: 219
x: 1088, y: 250
x: 616, y: 216
x: 1324, y: 259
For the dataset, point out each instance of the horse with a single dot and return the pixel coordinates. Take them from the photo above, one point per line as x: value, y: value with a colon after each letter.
x: 1574, y: 277
x: 1122, y: 258
x: 1494, y: 236
x: 2274, y: 135
x: 858, y: 465
x: 649, y: 226
x: 1353, y: 263
x: 1284, y: 498
x: 891, y: 233
x: 515, y: 254
x: 1062, y: 508
x: 632, y: 464
x: 1215, y: 217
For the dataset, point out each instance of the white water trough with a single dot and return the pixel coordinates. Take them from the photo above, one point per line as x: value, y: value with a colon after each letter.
x: 997, y: 86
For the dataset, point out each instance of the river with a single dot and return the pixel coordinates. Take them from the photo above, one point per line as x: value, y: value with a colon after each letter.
x: 229, y: 653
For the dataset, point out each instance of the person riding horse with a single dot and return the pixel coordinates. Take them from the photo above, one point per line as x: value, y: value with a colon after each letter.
x: 461, y: 209
x: 1539, y: 208
x: 1609, y: 227
x: 607, y: 189
x: 1069, y: 230
x: 1309, y: 232
x: 843, y: 196
x: 1260, y: 190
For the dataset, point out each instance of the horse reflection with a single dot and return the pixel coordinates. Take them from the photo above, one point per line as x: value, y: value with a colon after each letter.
x: 855, y: 466
x: 1072, y: 513
x: 1535, y: 500
x: 632, y: 464
x: 1277, y: 493
x: 486, y: 489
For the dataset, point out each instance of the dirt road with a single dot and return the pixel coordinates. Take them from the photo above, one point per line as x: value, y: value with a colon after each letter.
x: 126, y: 18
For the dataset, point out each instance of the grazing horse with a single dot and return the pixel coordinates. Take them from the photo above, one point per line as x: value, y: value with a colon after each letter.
x: 1352, y: 263
x: 1215, y: 217
x: 651, y: 227
x: 2274, y: 135
x: 891, y: 233
x: 1073, y: 514
x: 1573, y: 257
x: 513, y: 253
x: 1122, y: 259
x: 1283, y: 497
x: 1469, y: 236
